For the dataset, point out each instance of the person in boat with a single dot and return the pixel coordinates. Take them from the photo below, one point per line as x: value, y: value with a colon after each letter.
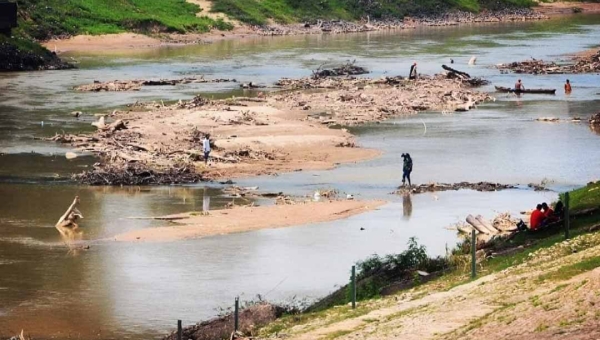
x: 568, y: 87
x: 413, y: 71
x: 519, y: 86
x: 536, y: 221
x: 406, y: 169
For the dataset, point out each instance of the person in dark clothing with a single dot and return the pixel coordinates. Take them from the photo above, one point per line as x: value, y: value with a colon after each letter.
x: 406, y: 169
x: 559, y: 209
x: 413, y: 72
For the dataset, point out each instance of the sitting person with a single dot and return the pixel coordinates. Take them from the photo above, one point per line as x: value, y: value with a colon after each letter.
x: 549, y: 214
x: 559, y: 210
x: 537, y: 218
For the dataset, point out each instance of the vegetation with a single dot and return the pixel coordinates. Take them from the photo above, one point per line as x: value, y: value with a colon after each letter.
x: 43, y: 20
x: 377, y: 272
x: 259, y: 12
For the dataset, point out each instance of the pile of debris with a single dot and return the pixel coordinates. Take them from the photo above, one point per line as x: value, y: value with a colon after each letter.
x: 595, y: 119
x: 464, y: 77
x: 435, y: 187
x: 136, y: 85
x: 446, y: 19
x: 246, y: 153
x: 533, y: 66
x: 321, y: 83
x: 124, y: 173
x: 587, y: 64
x: 358, y: 100
x: 349, y: 69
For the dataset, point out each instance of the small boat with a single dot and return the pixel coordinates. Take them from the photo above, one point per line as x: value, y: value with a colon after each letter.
x: 510, y: 90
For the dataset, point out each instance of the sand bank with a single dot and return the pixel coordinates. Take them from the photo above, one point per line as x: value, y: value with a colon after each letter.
x: 243, y: 219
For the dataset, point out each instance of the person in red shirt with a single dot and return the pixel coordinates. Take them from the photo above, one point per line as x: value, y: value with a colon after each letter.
x: 549, y: 213
x: 537, y: 218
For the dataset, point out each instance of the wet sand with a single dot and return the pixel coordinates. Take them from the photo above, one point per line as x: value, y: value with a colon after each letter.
x: 242, y: 219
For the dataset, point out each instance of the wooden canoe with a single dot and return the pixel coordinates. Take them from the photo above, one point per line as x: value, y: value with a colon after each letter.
x: 539, y: 91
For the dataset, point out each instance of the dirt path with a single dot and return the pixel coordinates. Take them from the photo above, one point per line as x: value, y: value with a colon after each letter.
x: 535, y: 300
x: 205, y: 11
x: 243, y: 219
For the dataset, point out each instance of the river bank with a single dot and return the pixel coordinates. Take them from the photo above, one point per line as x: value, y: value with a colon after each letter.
x: 546, y: 270
x: 115, y: 43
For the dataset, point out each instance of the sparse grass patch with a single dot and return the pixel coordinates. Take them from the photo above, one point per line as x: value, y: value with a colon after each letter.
x: 568, y: 271
x: 337, y: 334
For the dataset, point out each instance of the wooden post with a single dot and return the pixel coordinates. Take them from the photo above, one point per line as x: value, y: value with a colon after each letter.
x: 473, y: 255
x: 567, y: 219
x: 236, y: 315
x: 179, y: 330
x: 353, y: 287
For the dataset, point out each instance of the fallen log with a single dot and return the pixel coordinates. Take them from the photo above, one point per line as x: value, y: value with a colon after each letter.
x: 450, y: 69
x: 477, y: 225
x: 487, y: 224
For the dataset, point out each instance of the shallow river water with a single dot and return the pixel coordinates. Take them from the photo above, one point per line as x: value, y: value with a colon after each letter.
x: 138, y: 291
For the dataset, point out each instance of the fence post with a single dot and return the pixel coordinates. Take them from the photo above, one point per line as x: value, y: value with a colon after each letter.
x: 236, y: 314
x: 179, y: 330
x: 567, y: 219
x: 353, y: 287
x: 473, y: 255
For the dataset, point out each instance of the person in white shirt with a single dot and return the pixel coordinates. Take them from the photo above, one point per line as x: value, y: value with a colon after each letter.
x: 206, y: 148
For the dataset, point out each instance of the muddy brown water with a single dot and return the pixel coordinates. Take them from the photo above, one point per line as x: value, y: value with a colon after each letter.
x: 138, y: 291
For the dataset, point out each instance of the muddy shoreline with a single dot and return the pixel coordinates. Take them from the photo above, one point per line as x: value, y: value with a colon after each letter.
x: 116, y: 43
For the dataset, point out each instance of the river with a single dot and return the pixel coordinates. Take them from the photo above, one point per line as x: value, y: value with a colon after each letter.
x: 138, y: 291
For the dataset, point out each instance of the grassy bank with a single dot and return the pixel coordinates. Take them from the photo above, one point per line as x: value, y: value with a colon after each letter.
x: 50, y: 18
x: 259, y: 12
x: 541, y: 261
x: 42, y: 20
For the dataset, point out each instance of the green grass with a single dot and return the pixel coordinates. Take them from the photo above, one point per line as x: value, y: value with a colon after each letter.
x: 586, y: 197
x: 567, y: 272
x: 259, y: 12
x: 43, y: 20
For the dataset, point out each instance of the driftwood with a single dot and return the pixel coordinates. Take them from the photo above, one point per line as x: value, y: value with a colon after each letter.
x: 70, y: 216
x: 434, y: 187
x: 587, y: 64
x: 137, y: 174
x: 348, y: 69
x: 477, y: 225
x: 455, y: 71
x: 487, y: 224
x: 136, y: 85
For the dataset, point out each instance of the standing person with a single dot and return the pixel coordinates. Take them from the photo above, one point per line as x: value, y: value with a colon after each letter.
x: 519, y: 86
x: 206, y: 148
x: 413, y: 71
x: 406, y: 169
x: 567, y: 87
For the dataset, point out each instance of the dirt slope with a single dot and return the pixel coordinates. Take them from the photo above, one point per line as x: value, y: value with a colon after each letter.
x: 535, y: 300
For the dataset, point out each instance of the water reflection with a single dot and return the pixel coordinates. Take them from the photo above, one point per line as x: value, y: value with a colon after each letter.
x: 407, y: 206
